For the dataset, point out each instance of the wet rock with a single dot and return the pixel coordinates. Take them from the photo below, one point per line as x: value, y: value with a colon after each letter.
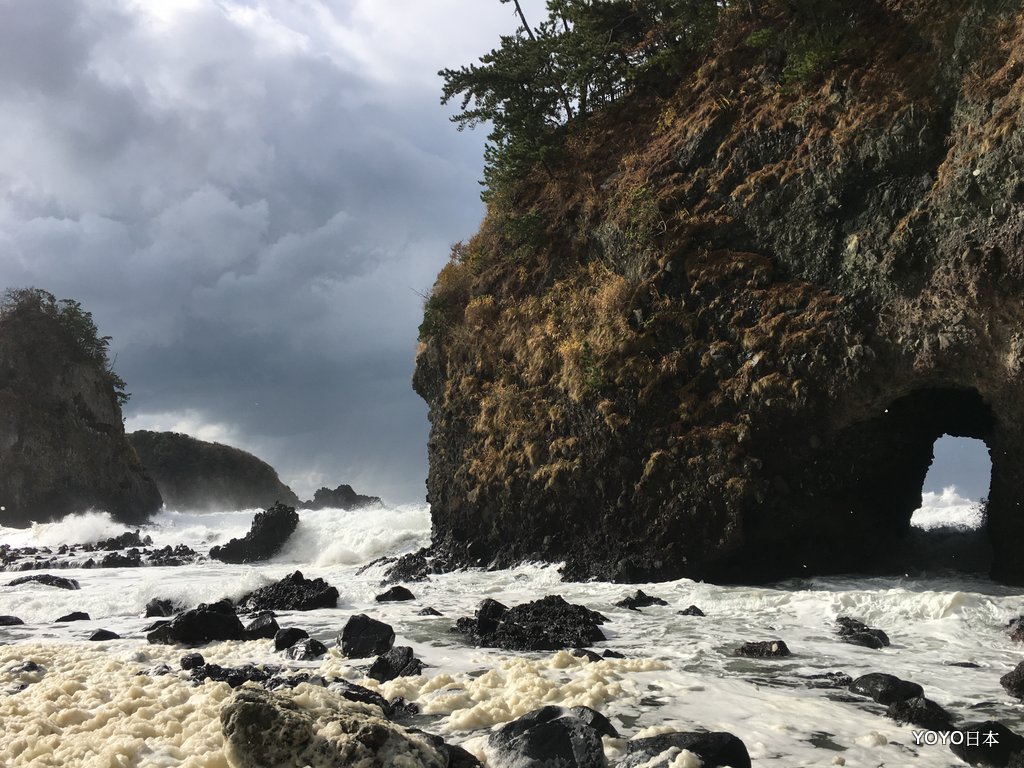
x: 858, y: 633
x: 180, y: 554
x: 395, y: 594
x: 126, y: 540
x: 342, y: 497
x: 363, y: 637
x: 715, y: 750
x: 693, y: 610
x: 1013, y: 681
x: 885, y: 689
x: 997, y: 745
x: 158, y: 670
x: 269, y: 531
x: 831, y: 680
x: 457, y: 756
x: 262, y: 627
x: 292, y: 593
x: 233, y: 676
x: 597, y: 722
x: 73, y: 616
x: 286, y: 638
x: 551, y: 736
x: 10, y: 621
x: 45, y: 578
x: 192, y: 661
x: 266, y: 728
x: 306, y: 650
x: 398, y: 662
x: 428, y: 611
x: 130, y: 559
x: 197, y: 627
x: 640, y: 600
x: 415, y: 566
x: 764, y: 649
x: 921, y: 712
x: 104, y: 634
x: 549, y: 624
x: 160, y: 607
x: 610, y: 654
x: 584, y: 653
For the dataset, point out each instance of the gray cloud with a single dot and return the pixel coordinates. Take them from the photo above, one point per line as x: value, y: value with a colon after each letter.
x: 247, y: 196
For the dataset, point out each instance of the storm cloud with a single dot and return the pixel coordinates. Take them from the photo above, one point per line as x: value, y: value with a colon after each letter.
x: 250, y: 197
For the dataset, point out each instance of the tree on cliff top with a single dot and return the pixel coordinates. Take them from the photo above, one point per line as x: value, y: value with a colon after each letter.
x: 75, y: 325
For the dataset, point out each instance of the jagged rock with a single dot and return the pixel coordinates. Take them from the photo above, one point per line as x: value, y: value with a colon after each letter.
x: 394, y: 595
x: 233, y: 676
x: 640, y: 600
x: 179, y: 554
x: 1013, y: 681
x: 126, y: 540
x: 160, y: 607
x: 549, y: 624
x: 62, y: 442
x: 414, y: 566
x: 693, y: 610
x: 749, y: 385
x: 73, y: 616
x: 429, y: 611
x: 286, y: 638
x: 263, y: 626
x: 192, y: 661
x: 885, y: 689
x: 306, y: 650
x: 997, y: 745
x: 715, y: 750
x: 830, y: 680
x: 398, y: 662
x: 610, y: 654
x: 265, y: 728
x: 130, y: 559
x: 764, y: 649
x: 269, y: 532
x: 10, y: 621
x: 292, y: 593
x: 342, y: 497
x: 858, y: 633
x: 194, y: 474
x: 550, y: 736
x: 104, y: 634
x: 921, y: 712
x: 363, y: 637
x: 197, y: 627
x: 45, y: 578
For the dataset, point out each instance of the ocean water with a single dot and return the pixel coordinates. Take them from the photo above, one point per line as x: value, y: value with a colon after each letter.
x: 95, y: 704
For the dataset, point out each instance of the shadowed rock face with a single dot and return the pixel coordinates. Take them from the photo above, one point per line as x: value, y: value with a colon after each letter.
x: 62, y: 442
x: 194, y: 474
x: 742, y: 315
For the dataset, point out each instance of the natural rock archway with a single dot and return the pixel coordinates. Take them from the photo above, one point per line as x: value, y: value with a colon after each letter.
x: 721, y: 338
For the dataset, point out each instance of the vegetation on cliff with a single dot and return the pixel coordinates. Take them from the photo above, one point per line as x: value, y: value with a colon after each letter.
x: 677, y: 333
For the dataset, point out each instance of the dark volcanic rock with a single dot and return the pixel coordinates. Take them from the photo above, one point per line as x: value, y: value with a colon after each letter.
x: 552, y: 737
x: 104, y: 634
x: 233, y: 676
x: 428, y: 611
x: 126, y: 540
x: 693, y: 610
x: 549, y: 624
x: 714, y: 749
x: 363, y: 637
x: 193, y: 474
x: 885, y: 689
x: 160, y: 607
x: 858, y: 633
x: 292, y: 593
x: 73, y: 616
x: 342, y: 497
x: 286, y: 638
x: 764, y: 649
x: 62, y: 442
x: 263, y: 626
x: 268, y: 533
x: 10, y: 621
x: 394, y: 595
x: 921, y: 712
x: 640, y: 600
x: 130, y: 559
x: 1013, y: 681
x: 198, y: 626
x: 398, y: 662
x: 45, y: 578
x: 584, y: 653
x: 414, y: 566
x: 751, y: 386
x: 306, y: 650
x: 996, y: 746
x: 192, y: 661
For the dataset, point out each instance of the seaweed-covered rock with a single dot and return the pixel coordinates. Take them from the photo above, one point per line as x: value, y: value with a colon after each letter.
x: 886, y: 689
x: 292, y: 593
x: 269, y: 531
x: 714, y: 750
x: 551, y: 736
x: 548, y: 624
x: 363, y: 637
x: 45, y: 578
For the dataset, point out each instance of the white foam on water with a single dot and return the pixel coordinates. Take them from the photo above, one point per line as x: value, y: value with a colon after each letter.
x: 947, y: 510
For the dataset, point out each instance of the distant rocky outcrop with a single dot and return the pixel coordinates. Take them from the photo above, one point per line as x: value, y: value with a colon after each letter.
x: 62, y: 442
x: 269, y: 532
x: 342, y: 497
x: 195, y: 474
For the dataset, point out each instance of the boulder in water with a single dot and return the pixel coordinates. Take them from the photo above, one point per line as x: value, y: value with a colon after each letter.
x: 885, y: 689
x: 1013, y: 681
x: 549, y: 624
x: 10, y: 621
x: 45, y: 578
x: 551, y: 736
x: 398, y: 662
x: 342, y: 497
x: 158, y: 607
x: 263, y: 627
x: 858, y: 633
x: 713, y: 750
x: 395, y: 594
x: 286, y: 638
x: 197, y: 627
x: 994, y: 745
x: 693, y: 610
x: 292, y: 593
x: 640, y: 600
x: 921, y: 712
x: 269, y: 532
x: 306, y: 650
x: 363, y: 637
x: 104, y: 634
x: 764, y: 649
x: 73, y: 616
x: 192, y: 661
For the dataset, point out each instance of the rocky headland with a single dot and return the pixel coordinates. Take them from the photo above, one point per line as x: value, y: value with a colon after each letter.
x: 718, y: 332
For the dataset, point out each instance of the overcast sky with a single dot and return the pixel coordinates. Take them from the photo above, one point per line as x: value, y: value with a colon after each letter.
x: 250, y: 196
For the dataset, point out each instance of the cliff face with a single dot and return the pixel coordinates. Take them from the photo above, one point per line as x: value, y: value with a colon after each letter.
x: 196, y: 475
x: 62, y: 442
x: 719, y: 340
